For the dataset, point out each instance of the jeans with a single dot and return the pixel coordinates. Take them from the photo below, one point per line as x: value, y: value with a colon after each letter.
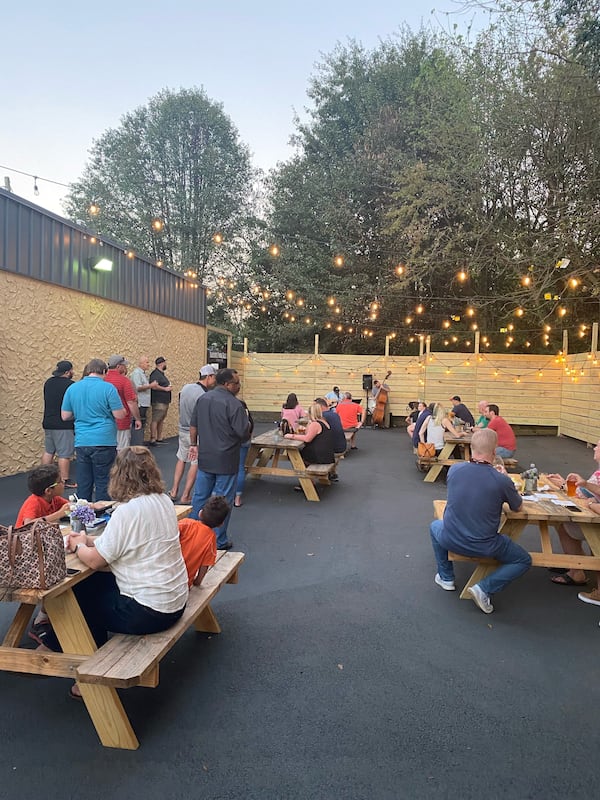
x: 207, y: 484
x: 503, y: 452
x: 514, y: 560
x: 241, y: 476
x: 106, y: 609
x: 93, y: 469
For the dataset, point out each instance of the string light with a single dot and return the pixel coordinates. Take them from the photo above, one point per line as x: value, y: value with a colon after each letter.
x: 338, y: 261
x: 157, y: 225
x: 274, y: 250
x: 217, y: 238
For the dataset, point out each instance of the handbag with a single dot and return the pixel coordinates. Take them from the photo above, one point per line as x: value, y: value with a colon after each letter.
x: 32, y: 556
x: 426, y: 450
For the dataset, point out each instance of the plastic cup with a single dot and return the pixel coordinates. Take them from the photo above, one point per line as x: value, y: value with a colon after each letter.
x: 571, y: 489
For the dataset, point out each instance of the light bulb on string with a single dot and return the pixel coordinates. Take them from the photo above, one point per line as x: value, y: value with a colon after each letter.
x: 217, y: 238
x: 338, y: 261
x: 274, y: 250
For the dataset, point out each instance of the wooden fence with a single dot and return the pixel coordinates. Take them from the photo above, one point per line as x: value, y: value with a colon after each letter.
x: 537, y: 390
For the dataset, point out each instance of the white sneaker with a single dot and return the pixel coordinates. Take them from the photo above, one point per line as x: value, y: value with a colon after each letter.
x: 447, y: 585
x: 481, y: 598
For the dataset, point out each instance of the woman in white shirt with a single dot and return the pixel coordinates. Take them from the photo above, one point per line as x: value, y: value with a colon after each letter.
x: 141, y: 585
x: 434, y: 427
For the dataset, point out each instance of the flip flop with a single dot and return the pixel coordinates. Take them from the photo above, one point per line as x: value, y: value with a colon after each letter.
x: 567, y: 580
x: 74, y: 696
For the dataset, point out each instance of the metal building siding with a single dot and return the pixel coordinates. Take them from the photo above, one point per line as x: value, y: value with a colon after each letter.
x: 38, y: 244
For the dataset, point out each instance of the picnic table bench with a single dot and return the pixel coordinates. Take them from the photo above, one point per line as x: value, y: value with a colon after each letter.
x: 122, y: 662
x: 127, y: 660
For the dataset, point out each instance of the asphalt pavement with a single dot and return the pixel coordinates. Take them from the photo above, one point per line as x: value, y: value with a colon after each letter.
x: 341, y: 671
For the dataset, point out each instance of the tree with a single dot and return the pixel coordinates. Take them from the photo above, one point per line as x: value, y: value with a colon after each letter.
x: 177, y: 160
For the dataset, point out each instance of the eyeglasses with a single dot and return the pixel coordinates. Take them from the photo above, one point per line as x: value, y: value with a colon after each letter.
x: 52, y: 485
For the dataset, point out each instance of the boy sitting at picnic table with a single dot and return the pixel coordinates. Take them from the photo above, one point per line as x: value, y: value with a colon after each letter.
x: 198, y: 540
x: 45, y: 501
x: 476, y: 493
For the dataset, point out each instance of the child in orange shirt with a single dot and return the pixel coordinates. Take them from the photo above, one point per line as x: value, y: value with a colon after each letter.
x: 198, y: 540
x: 45, y: 501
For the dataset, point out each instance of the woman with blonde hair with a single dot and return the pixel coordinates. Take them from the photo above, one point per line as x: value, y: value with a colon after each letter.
x: 434, y: 427
x: 318, y: 438
x: 141, y: 584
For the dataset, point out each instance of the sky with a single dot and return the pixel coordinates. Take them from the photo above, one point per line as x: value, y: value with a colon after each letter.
x: 69, y: 71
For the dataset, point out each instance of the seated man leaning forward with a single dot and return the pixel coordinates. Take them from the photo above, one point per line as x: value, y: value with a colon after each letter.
x: 476, y: 492
x: 351, y: 415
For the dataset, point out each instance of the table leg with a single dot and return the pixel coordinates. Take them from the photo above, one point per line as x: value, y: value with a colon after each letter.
x: 591, y: 531
x: 513, y: 528
x: 17, y: 627
x: 306, y: 483
x: 435, y: 469
x: 102, y: 702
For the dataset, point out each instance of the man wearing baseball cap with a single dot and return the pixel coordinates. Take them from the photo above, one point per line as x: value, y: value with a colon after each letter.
x: 188, y: 397
x: 59, y: 435
x: 117, y: 375
x: 160, y: 398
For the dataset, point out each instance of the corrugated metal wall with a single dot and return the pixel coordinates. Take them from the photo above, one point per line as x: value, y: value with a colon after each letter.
x: 37, y: 244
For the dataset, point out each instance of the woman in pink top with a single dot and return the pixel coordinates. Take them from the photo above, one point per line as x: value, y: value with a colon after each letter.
x: 292, y: 410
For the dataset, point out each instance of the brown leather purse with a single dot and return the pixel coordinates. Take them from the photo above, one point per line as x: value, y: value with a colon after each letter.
x: 32, y: 556
x: 426, y: 450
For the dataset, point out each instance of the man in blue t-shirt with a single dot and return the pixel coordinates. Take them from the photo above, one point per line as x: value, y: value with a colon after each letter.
x: 94, y: 405
x: 476, y: 493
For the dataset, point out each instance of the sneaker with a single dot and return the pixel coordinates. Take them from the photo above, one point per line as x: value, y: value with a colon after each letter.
x: 334, y: 478
x: 481, y: 598
x: 227, y: 546
x: 590, y: 597
x: 39, y: 631
x: 447, y: 585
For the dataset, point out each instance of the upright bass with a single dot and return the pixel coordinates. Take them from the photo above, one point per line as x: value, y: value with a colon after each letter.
x: 378, y: 414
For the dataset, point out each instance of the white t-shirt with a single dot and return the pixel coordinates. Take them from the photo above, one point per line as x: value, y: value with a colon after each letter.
x: 141, y: 545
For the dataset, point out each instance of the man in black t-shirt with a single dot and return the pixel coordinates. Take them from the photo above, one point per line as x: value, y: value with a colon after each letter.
x: 59, y: 434
x: 160, y: 397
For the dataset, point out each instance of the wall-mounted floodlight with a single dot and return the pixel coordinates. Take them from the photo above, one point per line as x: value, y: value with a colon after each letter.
x: 103, y: 265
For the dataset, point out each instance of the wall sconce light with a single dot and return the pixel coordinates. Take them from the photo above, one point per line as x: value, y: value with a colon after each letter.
x: 103, y: 265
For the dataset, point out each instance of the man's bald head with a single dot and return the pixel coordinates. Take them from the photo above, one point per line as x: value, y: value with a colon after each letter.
x: 484, y: 443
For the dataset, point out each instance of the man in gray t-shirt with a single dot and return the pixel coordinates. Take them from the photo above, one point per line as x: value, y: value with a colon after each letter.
x: 188, y: 397
x: 219, y: 425
x: 139, y: 379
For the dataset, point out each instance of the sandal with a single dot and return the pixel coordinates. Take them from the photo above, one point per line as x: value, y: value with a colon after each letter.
x: 567, y: 580
x: 237, y: 502
x: 74, y: 696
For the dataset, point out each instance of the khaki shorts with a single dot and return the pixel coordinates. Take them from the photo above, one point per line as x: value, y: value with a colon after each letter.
x: 61, y: 442
x: 159, y: 411
x: 183, y: 451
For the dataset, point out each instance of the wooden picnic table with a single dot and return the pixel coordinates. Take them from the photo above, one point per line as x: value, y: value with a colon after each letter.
x: 444, y: 457
x: 268, y: 449
x: 542, y: 513
x: 101, y: 699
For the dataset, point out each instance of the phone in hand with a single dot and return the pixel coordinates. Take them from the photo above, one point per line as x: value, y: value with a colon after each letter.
x: 586, y: 493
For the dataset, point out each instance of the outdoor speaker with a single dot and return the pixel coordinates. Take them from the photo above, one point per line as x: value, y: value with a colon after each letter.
x: 367, y: 383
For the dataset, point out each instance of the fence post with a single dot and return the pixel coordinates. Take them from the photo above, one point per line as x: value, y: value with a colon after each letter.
x: 565, y: 346
x: 476, y: 348
x: 594, y: 339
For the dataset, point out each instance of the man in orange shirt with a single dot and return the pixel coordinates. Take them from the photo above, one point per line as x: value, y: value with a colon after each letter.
x: 198, y: 540
x: 351, y: 415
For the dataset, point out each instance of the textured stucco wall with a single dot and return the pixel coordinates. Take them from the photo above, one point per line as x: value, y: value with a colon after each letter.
x: 41, y: 324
